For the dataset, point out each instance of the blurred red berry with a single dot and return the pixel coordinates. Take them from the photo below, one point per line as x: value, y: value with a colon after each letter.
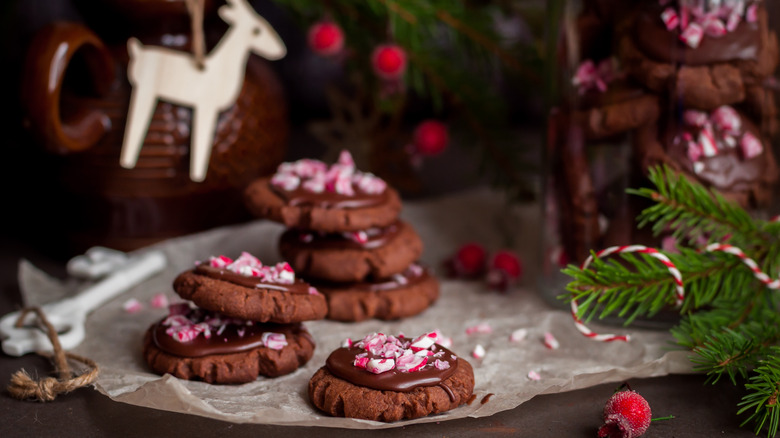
x: 504, y: 271
x: 468, y: 262
x: 389, y: 61
x: 326, y: 38
x: 430, y: 138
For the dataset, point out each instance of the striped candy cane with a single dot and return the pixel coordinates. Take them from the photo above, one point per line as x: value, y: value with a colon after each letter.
x: 652, y: 252
x: 750, y: 263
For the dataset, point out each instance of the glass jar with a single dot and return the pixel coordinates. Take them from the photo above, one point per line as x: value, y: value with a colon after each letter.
x: 683, y: 83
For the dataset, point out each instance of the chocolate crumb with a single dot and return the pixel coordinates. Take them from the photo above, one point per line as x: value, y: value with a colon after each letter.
x: 486, y: 398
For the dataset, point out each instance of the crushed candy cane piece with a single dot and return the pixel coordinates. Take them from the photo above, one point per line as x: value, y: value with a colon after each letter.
x: 250, y: 266
x: 159, y: 301
x: 317, y: 177
x: 347, y: 343
x: 533, y: 375
x: 698, y: 167
x: 220, y: 261
x: 694, y: 151
x: 379, y: 366
x: 709, y: 147
x: 441, y: 365
x: 751, y: 15
x: 478, y: 352
x: 132, y: 306
x: 411, y: 363
x: 692, y: 35
x: 550, y: 341
x: 518, y: 335
x: 751, y: 146
x: 361, y: 361
x: 670, y: 18
x: 727, y: 119
x: 482, y: 328
x: 423, y: 342
x: 274, y: 341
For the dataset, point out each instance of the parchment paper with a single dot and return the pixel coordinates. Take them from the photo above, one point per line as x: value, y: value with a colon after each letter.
x: 114, y: 335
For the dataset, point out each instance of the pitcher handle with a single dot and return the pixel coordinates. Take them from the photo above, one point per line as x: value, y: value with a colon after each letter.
x: 46, y: 64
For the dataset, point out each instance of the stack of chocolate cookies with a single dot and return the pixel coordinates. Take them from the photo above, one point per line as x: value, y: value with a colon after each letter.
x: 242, y: 320
x: 345, y: 237
x: 684, y: 83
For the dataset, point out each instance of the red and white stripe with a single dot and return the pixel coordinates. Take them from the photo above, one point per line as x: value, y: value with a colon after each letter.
x: 773, y: 284
x: 652, y: 252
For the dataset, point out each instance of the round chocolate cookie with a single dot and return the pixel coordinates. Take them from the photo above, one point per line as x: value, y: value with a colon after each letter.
x: 327, y: 212
x: 239, y: 296
x: 400, y: 296
x: 351, y: 256
x: 343, y: 389
x: 226, y: 357
x: 703, y: 75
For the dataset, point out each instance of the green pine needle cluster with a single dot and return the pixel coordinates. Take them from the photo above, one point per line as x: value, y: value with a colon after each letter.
x: 729, y: 319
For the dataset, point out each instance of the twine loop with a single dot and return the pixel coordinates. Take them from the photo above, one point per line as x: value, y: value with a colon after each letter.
x: 24, y: 387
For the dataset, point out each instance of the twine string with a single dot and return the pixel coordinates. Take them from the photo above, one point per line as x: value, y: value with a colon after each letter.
x: 24, y: 387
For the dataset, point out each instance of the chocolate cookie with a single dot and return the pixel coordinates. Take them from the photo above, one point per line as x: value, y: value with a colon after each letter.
x: 701, y: 70
x: 272, y: 295
x: 357, y: 383
x: 307, y: 194
x: 351, y: 256
x: 200, y: 345
x: 400, y: 296
x: 723, y: 150
x: 618, y: 110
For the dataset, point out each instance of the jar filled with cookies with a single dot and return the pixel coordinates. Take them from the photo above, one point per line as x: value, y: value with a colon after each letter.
x: 683, y: 86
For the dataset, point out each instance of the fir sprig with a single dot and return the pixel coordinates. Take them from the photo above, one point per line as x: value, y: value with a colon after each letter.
x: 730, y: 319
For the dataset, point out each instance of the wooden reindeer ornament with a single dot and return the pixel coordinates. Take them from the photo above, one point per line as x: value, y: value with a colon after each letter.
x: 159, y: 73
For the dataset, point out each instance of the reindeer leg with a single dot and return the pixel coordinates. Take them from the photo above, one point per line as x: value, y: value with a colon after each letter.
x: 204, y: 122
x: 142, y: 103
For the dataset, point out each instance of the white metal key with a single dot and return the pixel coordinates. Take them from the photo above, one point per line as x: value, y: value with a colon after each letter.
x: 69, y: 315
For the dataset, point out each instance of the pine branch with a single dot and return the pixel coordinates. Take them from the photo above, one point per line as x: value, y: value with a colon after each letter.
x: 761, y: 401
x: 641, y: 286
x: 730, y: 319
x: 693, y: 212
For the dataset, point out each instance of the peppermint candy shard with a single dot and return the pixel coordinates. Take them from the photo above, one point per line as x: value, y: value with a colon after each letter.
x: 692, y: 35
x: 478, y: 352
x: 751, y: 146
x: 317, y: 177
x: 274, y: 341
x: 550, y: 341
x: 379, y: 366
x: 518, y: 335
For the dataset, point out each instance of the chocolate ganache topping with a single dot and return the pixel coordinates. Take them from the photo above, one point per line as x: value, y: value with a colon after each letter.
x: 313, y: 183
x: 365, y: 239
x: 298, y: 287
x: 729, y: 158
x: 248, y: 271
x: 194, y: 332
x: 390, y: 363
x: 742, y: 43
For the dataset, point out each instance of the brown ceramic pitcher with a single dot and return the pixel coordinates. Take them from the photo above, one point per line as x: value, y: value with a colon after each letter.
x: 75, y: 95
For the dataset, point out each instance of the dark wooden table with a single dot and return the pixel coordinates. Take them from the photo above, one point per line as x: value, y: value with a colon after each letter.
x: 700, y: 410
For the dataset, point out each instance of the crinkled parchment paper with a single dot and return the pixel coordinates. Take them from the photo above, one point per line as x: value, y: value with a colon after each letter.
x: 114, y: 335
